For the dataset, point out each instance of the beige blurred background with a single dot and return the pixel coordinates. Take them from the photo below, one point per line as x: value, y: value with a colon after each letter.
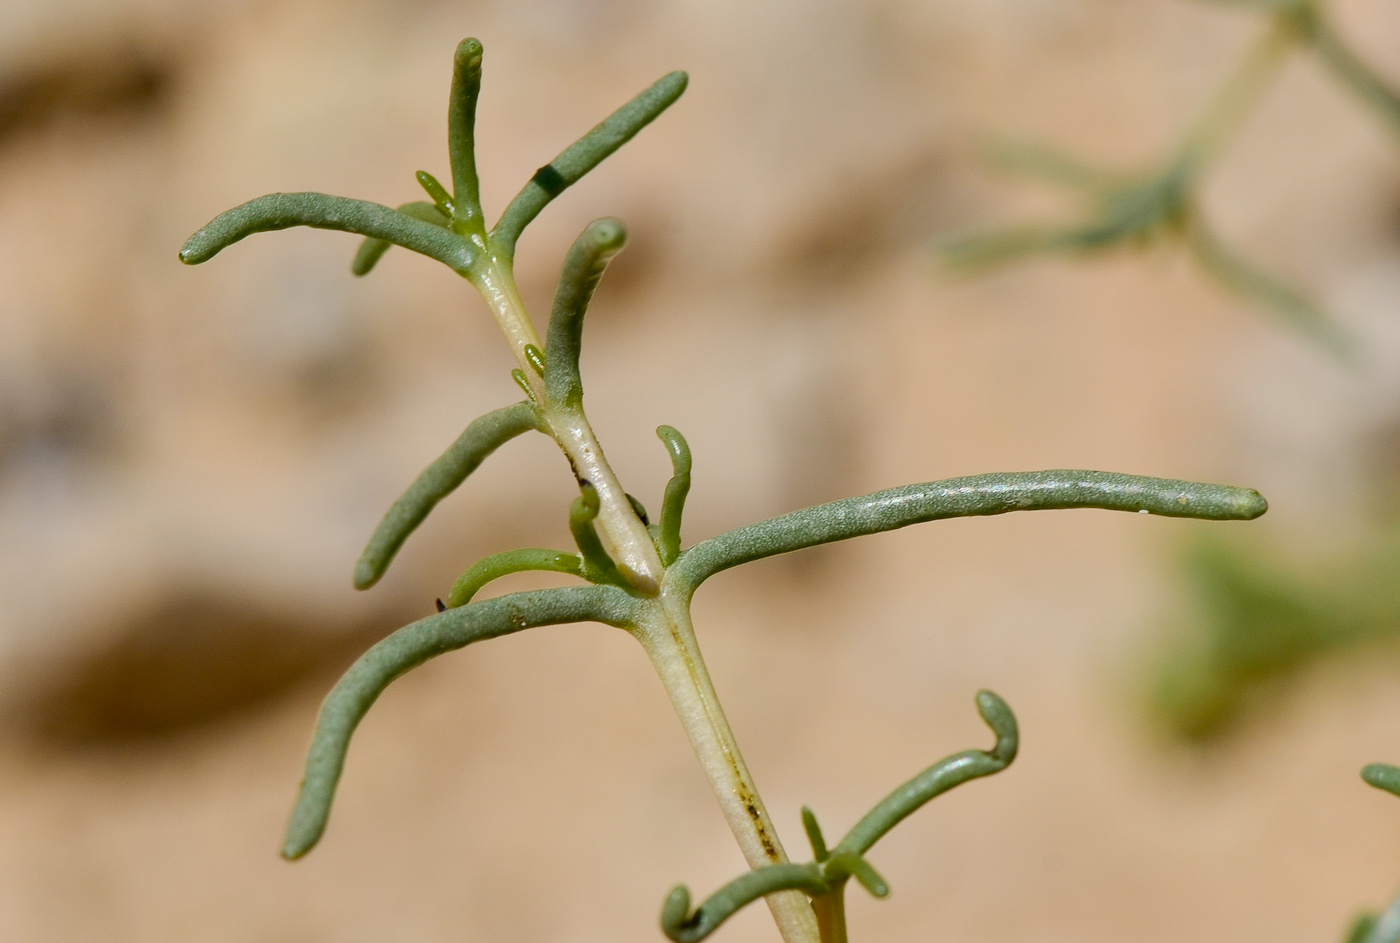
x: 191, y: 459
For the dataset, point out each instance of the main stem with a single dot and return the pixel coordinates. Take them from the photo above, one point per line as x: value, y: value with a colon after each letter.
x: 664, y: 629
x: 666, y: 632
x: 623, y: 533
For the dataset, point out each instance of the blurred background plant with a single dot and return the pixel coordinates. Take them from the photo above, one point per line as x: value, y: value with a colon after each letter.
x: 1138, y: 208
x: 1261, y: 622
x: 190, y: 460
x: 1257, y: 621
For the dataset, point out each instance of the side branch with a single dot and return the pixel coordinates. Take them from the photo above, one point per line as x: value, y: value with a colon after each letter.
x: 408, y: 648
x: 978, y: 495
x: 320, y: 211
x: 939, y: 778
x: 437, y: 481
x: 825, y: 879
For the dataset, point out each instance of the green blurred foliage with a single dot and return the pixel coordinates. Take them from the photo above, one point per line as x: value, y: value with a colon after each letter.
x: 1261, y: 623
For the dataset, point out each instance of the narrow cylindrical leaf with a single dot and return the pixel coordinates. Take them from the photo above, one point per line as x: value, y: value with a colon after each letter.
x: 461, y: 127
x: 372, y: 250
x: 588, y: 258
x: 598, y: 566
x: 936, y: 780
x: 441, y: 198
x: 683, y: 927
x: 814, y: 835
x: 844, y: 864
x: 437, y: 481
x: 536, y: 358
x: 320, y: 211
x: 513, y: 561
x: 583, y: 155
x: 668, y: 538
x: 978, y: 495
x: 409, y: 647
x: 640, y: 510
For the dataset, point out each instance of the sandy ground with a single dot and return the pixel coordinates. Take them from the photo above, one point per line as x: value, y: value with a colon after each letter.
x: 190, y: 460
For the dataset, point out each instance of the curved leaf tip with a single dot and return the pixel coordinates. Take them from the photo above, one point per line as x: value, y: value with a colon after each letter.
x: 676, y: 908
x: 998, y: 716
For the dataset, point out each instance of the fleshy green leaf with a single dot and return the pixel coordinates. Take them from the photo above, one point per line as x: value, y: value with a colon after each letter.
x: 321, y: 211
x: 978, y: 495
x: 437, y: 481
x: 588, y: 258
x: 583, y: 155
x: 408, y: 648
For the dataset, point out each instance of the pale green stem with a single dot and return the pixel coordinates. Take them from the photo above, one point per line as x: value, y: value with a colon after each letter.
x: 623, y: 533
x: 665, y: 631
x: 495, y: 279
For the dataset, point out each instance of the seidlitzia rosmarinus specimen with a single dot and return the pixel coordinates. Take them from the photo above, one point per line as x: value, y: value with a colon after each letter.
x: 639, y: 577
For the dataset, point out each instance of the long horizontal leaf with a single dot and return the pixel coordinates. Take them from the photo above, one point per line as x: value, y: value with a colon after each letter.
x: 322, y: 211
x: 963, y: 497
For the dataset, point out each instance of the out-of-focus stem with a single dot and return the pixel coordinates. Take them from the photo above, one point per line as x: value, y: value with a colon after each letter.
x: 1227, y: 110
x: 1358, y: 76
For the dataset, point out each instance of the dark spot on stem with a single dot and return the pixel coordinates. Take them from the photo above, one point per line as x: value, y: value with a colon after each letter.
x: 549, y: 180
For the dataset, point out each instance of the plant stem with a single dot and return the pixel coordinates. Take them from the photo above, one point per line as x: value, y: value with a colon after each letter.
x: 1356, y: 74
x: 666, y: 632
x: 663, y: 626
x: 623, y: 533
x: 1226, y: 111
x: 831, y: 915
